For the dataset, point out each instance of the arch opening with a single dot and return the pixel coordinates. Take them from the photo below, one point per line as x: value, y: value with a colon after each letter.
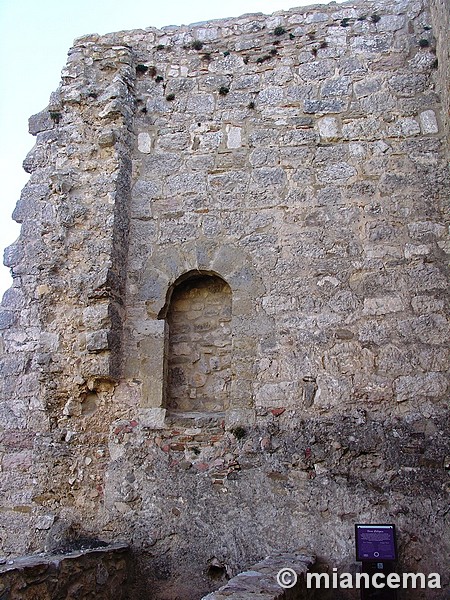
x: 199, y: 347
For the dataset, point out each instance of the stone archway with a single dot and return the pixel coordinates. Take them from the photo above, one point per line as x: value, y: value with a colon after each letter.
x: 147, y: 362
x: 199, y: 349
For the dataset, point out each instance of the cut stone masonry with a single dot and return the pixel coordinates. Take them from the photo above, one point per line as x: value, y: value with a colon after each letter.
x: 301, y: 160
x: 100, y: 573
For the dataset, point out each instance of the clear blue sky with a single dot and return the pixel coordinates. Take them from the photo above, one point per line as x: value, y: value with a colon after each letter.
x: 35, y: 36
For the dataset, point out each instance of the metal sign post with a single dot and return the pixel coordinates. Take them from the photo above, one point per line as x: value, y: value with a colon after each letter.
x: 376, y: 549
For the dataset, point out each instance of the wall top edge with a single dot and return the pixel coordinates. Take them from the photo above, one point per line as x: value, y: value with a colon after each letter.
x: 281, y: 17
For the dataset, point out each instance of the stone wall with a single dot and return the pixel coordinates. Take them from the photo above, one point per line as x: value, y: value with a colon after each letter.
x: 260, y: 580
x: 100, y: 573
x: 440, y: 12
x: 199, y: 352
x: 301, y: 158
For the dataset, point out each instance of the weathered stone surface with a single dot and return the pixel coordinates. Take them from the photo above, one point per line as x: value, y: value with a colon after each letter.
x: 260, y: 580
x: 152, y: 418
x: 41, y: 122
x: 328, y: 128
x: 440, y: 18
x: 428, y: 122
x: 199, y: 365
x: 101, y: 572
x: 431, y: 384
x: 310, y: 177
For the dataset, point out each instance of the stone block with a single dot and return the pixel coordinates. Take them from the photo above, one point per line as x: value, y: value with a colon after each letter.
x: 144, y: 143
x: 97, y: 340
x: 405, y: 126
x: 96, y: 316
x: 153, y: 352
x: 338, y: 172
x: 336, y: 86
x: 328, y: 128
x: 21, y: 460
x: 271, y: 96
x: 202, y: 105
x: 13, y: 255
x: 366, y: 87
x: 7, y: 318
x: 408, y: 84
x: 377, y: 103
x: 382, y: 306
x: 40, y: 122
x: 44, y: 522
x: 268, y: 177
x: 234, y: 136
x: 173, y: 141
x: 187, y: 183
x: 260, y: 580
x: 428, y: 122
x: 317, y: 70
x: 412, y: 250
x: 239, y: 417
x: 426, y: 328
x: 426, y: 230
x: 152, y: 418
x: 324, y: 106
x: 411, y: 387
x: 106, y: 138
x: 299, y: 137
x: 390, y: 22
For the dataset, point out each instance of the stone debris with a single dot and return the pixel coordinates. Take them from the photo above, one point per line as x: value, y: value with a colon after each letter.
x: 260, y: 580
x: 95, y: 572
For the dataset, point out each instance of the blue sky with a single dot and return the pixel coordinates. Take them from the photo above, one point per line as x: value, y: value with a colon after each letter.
x: 34, y: 39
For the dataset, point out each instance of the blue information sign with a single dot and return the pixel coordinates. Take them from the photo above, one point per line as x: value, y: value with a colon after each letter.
x: 375, y: 542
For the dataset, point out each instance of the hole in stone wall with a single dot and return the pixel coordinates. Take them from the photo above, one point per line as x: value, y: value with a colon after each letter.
x: 217, y: 570
x: 216, y: 573
x: 199, y: 346
x: 89, y: 404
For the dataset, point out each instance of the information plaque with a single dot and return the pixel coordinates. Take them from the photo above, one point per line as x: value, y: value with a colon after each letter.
x: 375, y: 543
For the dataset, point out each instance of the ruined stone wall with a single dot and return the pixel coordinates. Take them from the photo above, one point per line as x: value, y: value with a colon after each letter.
x: 100, y: 573
x: 301, y: 158
x: 261, y: 580
x: 62, y: 317
x: 199, y: 346
x: 440, y: 12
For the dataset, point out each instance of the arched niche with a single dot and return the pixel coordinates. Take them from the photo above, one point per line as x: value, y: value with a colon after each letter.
x: 147, y: 357
x: 198, y: 312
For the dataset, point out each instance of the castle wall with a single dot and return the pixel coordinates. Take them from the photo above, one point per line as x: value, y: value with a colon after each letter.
x: 440, y: 13
x: 85, y: 573
x: 301, y: 158
x: 199, y: 346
